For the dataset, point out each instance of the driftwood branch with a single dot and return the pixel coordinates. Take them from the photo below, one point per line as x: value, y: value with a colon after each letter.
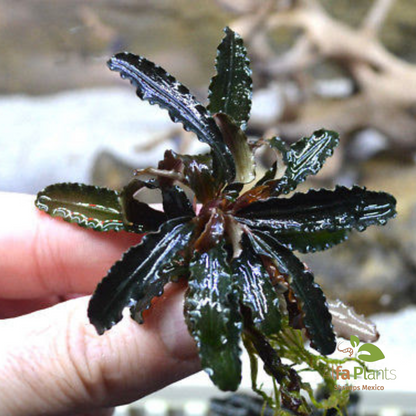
x: 384, y: 93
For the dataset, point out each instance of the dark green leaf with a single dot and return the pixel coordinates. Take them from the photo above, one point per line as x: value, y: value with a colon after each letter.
x: 175, y: 202
x: 278, y: 144
x: 236, y: 141
x: 211, y: 311
x: 312, y: 301
x: 140, y: 275
x: 85, y: 205
x: 305, y: 157
x: 310, y: 242
x: 136, y: 214
x: 232, y: 191
x: 230, y: 89
x: 155, y: 85
x: 341, y: 209
x: 256, y: 290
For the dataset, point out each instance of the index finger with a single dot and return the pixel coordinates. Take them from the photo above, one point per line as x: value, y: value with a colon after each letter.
x: 42, y: 256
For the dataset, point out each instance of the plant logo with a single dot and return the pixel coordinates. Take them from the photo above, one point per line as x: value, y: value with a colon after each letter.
x: 370, y: 353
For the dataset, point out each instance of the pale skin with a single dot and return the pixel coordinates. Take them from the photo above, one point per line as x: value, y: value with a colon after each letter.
x: 52, y: 362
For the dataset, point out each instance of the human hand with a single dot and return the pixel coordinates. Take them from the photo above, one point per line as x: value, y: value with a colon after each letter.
x: 52, y: 362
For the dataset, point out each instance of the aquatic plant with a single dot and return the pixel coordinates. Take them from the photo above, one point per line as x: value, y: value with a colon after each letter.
x: 233, y: 246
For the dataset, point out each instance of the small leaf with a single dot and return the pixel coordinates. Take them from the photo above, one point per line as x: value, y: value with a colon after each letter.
x: 175, y: 202
x: 256, y: 291
x: 269, y: 175
x: 155, y: 85
x: 375, y: 353
x: 347, y: 322
x: 305, y: 157
x: 85, y: 205
x: 213, y: 319
x: 339, y: 210
x: 136, y: 214
x: 232, y: 191
x: 213, y: 233
x: 354, y: 341
x: 312, y: 301
x: 231, y: 89
x: 236, y: 141
x: 196, y: 172
x: 278, y: 144
x: 140, y: 275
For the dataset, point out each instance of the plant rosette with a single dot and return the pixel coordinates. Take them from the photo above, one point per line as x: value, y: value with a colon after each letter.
x: 236, y: 252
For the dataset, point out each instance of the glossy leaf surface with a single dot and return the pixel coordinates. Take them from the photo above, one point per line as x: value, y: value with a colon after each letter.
x: 350, y: 325
x: 213, y: 233
x: 236, y: 141
x: 139, y: 276
x: 211, y: 311
x: 155, y: 85
x: 312, y: 301
x: 306, y: 156
x: 341, y: 209
x: 85, y: 205
x: 256, y: 291
x: 231, y: 89
x: 197, y: 171
x: 175, y: 202
x: 310, y: 242
x: 138, y: 215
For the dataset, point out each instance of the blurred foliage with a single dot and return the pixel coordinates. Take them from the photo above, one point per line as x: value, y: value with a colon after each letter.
x: 65, y: 44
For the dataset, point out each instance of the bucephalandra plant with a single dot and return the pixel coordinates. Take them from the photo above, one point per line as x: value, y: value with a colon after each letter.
x: 234, y: 248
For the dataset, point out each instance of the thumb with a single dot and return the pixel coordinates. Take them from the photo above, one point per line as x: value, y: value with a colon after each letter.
x: 53, y: 362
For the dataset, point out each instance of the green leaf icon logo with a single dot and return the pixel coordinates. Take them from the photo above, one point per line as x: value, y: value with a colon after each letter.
x: 375, y: 353
x: 354, y: 341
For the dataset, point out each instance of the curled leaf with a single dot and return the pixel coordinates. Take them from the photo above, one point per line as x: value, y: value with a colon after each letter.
x: 175, y: 202
x: 269, y: 175
x: 236, y: 141
x: 136, y: 214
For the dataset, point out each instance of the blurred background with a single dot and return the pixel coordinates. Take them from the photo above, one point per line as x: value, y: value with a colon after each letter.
x: 347, y: 65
